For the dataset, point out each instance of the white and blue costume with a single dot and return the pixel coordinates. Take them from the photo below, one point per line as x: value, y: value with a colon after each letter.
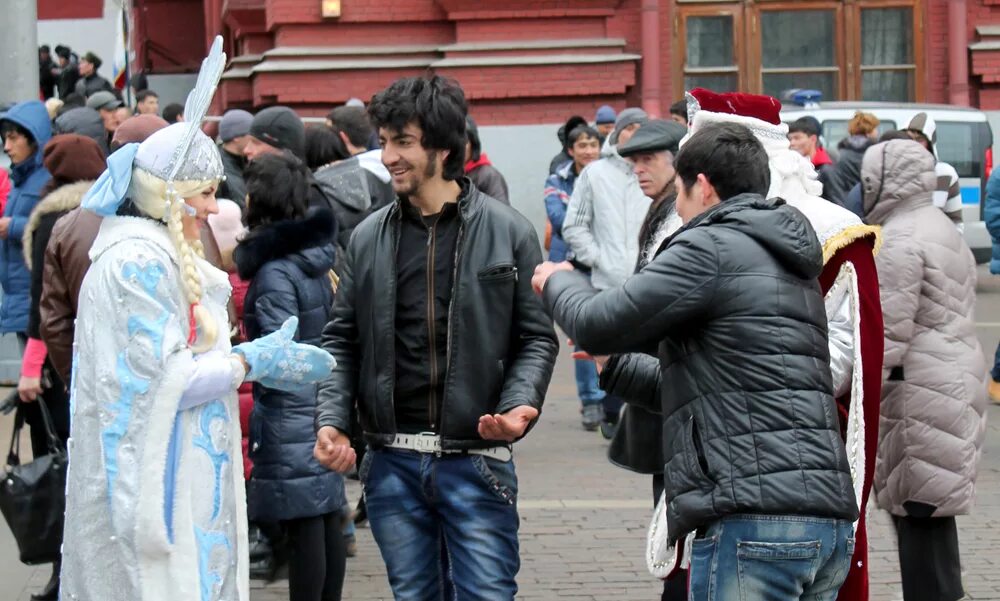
x: 155, y: 499
x: 156, y: 505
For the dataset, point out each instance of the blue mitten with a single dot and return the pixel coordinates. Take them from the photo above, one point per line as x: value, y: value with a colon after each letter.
x: 277, y: 361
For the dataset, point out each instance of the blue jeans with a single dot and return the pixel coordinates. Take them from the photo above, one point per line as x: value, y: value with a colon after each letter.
x: 771, y: 558
x: 587, y: 382
x: 446, y: 526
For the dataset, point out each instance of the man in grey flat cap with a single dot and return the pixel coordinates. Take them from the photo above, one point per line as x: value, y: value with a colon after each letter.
x: 603, y: 220
x: 637, y: 445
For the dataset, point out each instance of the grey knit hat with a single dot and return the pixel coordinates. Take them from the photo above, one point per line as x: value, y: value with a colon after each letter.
x: 235, y: 123
x: 625, y: 118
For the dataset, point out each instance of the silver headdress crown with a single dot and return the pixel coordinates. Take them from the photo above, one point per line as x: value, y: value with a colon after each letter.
x: 182, y: 152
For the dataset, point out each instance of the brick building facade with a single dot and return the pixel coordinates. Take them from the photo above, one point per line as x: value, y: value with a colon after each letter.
x: 537, y: 61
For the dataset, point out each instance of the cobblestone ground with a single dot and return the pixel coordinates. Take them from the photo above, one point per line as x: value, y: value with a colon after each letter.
x: 583, y: 522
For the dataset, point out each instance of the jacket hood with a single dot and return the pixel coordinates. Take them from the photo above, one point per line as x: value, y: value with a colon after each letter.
x: 346, y: 182
x: 308, y: 241
x: 34, y: 117
x: 781, y: 229
x: 372, y: 161
x: 85, y: 122
x: 896, y: 175
x: 822, y: 157
x: 857, y: 143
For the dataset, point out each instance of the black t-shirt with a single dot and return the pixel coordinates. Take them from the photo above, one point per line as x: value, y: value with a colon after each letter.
x: 425, y: 262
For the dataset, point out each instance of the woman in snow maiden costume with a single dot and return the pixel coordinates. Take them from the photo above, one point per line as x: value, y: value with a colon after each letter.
x: 155, y: 504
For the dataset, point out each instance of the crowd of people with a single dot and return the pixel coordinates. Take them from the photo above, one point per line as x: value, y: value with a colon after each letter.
x: 773, y: 337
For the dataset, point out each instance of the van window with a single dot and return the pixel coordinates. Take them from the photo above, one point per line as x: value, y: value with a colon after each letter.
x: 836, y: 130
x: 958, y: 144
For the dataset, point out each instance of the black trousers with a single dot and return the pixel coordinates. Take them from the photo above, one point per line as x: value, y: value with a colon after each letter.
x: 317, y: 557
x: 675, y: 588
x: 929, y: 558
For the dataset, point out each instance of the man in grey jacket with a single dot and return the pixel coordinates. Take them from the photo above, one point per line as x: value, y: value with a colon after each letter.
x: 603, y: 219
x: 757, y: 482
x: 607, y: 209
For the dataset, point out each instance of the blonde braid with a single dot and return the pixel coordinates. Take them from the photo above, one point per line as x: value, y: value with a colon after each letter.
x: 191, y: 280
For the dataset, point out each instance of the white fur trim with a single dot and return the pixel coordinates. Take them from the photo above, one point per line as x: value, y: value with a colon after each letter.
x: 855, y: 441
x: 793, y: 177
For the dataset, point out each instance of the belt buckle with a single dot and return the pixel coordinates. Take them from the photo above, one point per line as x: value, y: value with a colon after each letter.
x: 427, y: 442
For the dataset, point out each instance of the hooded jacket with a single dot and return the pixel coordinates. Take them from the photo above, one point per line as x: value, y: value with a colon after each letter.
x: 558, y: 190
x: 29, y: 177
x: 288, y: 265
x: 847, y: 173
x: 605, y: 214
x: 488, y: 179
x: 732, y: 307
x: 934, y: 396
x: 991, y: 216
x: 84, y: 121
x: 354, y: 193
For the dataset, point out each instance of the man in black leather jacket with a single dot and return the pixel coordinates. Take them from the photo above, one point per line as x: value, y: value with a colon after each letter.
x: 755, y: 471
x: 447, y: 352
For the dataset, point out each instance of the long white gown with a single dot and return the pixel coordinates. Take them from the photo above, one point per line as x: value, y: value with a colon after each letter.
x: 156, y: 504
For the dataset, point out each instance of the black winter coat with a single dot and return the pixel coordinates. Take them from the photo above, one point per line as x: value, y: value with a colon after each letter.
x: 288, y: 265
x: 354, y: 193
x: 637, y: 444
x: 734, y: 307
x: 234, y: 187
x: 848, y: 171
x: 501, y: 344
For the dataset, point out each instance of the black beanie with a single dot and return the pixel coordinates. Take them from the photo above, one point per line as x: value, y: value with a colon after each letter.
x: 280, y: 127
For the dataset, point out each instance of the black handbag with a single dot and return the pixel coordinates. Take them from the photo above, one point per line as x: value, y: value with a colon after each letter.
x: 33, y: 495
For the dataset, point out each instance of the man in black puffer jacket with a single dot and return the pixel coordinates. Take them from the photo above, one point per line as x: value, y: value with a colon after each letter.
x: 754, y: 464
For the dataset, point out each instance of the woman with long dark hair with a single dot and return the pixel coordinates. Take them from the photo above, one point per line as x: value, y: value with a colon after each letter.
x: 287, y: 257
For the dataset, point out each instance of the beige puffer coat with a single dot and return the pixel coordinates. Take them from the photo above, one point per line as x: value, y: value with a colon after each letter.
x: 934, y: 395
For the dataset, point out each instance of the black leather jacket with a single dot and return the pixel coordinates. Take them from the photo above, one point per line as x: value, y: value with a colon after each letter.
x: 501, y: 344
x: 734, y: 308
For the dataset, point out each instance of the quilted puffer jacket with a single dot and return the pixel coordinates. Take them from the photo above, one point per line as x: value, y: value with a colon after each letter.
x: 934, y: 397
x: 732, y: 307
x: 288, y: 265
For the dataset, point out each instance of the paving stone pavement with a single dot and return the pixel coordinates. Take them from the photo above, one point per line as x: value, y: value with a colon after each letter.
x: 583, y: 522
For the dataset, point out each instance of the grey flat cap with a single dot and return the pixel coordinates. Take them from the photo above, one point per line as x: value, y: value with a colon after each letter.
x: 654, y: 136
x: 103, y: 100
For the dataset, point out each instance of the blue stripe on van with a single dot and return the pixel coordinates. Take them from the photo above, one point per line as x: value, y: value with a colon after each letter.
x: 971, y: 195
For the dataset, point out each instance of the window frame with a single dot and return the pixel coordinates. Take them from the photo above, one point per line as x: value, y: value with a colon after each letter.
x: 757, y: 45
x: 712, y: 9
x: 748, y: 46
x: 918, y: 45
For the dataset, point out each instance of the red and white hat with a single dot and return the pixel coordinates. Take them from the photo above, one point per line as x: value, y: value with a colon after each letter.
x: 792, y: 175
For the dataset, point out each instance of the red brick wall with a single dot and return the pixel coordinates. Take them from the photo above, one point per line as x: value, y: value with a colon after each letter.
x: 75, y: 9
x: 364, y: 34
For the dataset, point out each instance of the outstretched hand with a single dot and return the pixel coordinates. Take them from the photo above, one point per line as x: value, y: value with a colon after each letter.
x: 507, y: 426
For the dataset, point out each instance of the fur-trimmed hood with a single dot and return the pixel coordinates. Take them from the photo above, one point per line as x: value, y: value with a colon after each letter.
x: 61, y: 200
x: 310, y: 239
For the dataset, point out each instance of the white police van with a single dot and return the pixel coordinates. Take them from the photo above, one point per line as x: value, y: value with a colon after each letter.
x: 964, y: 140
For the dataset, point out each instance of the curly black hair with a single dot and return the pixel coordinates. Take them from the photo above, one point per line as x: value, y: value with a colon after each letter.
x: 434, y: 103
x: 278, y: 187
